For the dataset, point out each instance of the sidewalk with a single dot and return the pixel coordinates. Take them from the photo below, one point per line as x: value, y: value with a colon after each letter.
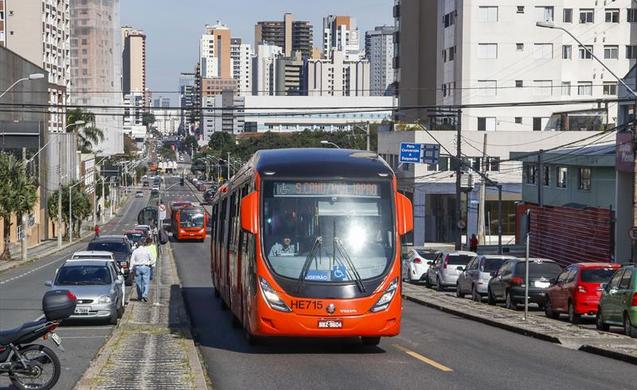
x: 152, y: 347
x: 571, y: 336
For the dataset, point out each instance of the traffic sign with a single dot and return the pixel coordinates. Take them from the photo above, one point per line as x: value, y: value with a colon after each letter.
x: 462, y: 224
x: 162, y: 211
x: 413, y: 153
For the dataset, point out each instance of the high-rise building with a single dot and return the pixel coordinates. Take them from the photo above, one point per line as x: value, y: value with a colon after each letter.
x: 336, y: 77
x: 39, y: 31
x: 241, y: 54
x: 96, y: 67
x: 133, y: 61
x: 263, y: 69
x: 341, y: 34
x: 288, y: 34
x: 187, y: 102
x: 379, y: 50
x: 214, y: 51
x: 289, y: 75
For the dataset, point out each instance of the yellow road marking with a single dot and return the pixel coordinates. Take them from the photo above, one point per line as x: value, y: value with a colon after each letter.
x: 423, y: 359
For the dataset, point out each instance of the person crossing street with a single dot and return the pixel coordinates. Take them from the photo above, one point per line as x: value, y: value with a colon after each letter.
x: 141, y: 261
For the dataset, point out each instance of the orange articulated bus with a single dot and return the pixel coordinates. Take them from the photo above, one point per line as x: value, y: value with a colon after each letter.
x: 189, y: 223
x: 306, y: 242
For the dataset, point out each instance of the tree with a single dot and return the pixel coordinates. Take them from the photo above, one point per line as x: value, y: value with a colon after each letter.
x: 148, y: 118
x: 130, y: 147
x: 88, y: 135
x: 18, y: 193
x: 81, y: 207
x: 189, y: 143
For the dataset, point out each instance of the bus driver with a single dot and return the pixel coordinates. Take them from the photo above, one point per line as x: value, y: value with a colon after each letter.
x: 285, y: 249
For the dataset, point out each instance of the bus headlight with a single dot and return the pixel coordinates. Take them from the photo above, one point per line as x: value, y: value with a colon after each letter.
x: 385, y: 299
x: 271, y: 297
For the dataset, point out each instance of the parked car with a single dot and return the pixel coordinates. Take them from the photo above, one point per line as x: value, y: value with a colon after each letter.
x: 139, y: 194
x: 209, y: 194
x: 475, y: 277
x: 121, y: 248
x: 577, y: 290
x: 618, y: 304
x: 415, y: 263
x: 97, y: 287
x: 508, y: 283
x: 102, y: 256
x: 135, y: 236
x: 144, y: 228
x: 443, y: 272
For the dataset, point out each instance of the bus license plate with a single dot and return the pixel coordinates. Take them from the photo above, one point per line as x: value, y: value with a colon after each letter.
x: 330, y: 324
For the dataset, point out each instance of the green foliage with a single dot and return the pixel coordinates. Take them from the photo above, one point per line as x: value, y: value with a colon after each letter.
x: 167, y: 152
x: 189, y: 143
x: 82, y: 206
x: 148, y: 118
x: 130, y: 147
x: 88, y: 135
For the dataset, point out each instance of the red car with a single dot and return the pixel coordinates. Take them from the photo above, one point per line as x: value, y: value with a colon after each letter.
x: 577, y: 290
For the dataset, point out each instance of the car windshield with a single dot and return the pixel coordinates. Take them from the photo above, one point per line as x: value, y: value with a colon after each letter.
x: 539, y: 269
x: 427, y: 255
x: 459, y: 259
x: 135, y: 237
x: 491, y: 265
x: 193, y: 218
x: 92, y: 257
x: 115, y: 247
x: 597, y: 275
x: 338, y: 229
x: 83, y: 275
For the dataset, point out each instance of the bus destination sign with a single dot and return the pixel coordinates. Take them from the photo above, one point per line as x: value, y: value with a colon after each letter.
x: 296, y: 189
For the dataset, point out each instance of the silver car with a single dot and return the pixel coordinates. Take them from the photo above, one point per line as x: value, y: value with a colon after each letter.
x: 443, y: 273
x: 475, y: 277
x: 97, y: 287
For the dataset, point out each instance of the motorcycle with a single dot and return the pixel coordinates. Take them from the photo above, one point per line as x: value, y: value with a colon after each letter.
x: 36, y: 366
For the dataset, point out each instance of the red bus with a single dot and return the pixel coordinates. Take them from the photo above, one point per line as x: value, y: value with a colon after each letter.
x: 306, y: 242
x: 189, y: 223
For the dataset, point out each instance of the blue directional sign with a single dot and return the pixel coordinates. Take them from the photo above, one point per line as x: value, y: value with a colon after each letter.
x: 412, y: 153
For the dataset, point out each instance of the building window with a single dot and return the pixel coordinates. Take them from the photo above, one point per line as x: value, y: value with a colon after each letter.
x: 586, y: 15
x: 487, y: 88
x: 612, y: 16
x: 566, y: 88
x: 444, y: 55
x: 584, y: 175
x: 518, y: 120
x: 529, y: 174
x: 611, y: 52
x: 543, y: 50
x: 585, y: 88
x: 488, y: 51
x: 544, y: 14
x: 585, y: 52
x: 519, y: 83
x: 560, y: 176
x: 631, y: 52
x: 537, y: 123
x: 486, y: 124
x: 519, y: 46
x: 452, y: 53
x: 631, y: 15
x: 543, y: 87
x: 567, y: 52
x: 610, y: 88
x: 488, y: 14
x: 568, y: 15
x: 520, y: 9
x: 546, y: 177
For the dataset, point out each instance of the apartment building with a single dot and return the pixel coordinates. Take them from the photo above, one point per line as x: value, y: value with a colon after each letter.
x: 39, y: 31
x: 188, y: 96
x: 96, y: 67
x: 336, y: 76
x: 133, y: 61
x: 214, y: 51
x: 379, y: 51
x: 241, y: 54
x: 289, y: 34
x: 289, y: 75
x: 263, y: 70
x: 341, y: 34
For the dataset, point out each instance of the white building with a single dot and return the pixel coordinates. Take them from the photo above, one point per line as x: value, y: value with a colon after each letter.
x: 263, y: 70
x: 379, y: 50
x: 216, y: 118
x: 214, y: 51
x: 340, y: 33
x: 241, y: 54
x: 166, y: 120
x: 337, y: 77
x: 133, y: 111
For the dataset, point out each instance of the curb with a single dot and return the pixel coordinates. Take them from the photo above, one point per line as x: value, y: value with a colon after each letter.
x: 609, y: 354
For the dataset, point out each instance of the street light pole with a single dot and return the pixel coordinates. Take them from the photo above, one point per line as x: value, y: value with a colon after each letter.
x: 326, y: 142
x: 33, y: 76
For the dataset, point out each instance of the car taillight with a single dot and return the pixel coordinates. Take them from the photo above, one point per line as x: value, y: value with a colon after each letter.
x: 71, y: 295
x: 417, y: 261
x: 517, y: 281
x: 124, y: 265
x: 634, y: 302
x: 581, y: 289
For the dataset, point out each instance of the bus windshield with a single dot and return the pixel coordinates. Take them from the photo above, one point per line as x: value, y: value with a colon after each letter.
x: 328, y: 231
x: 193, y: 218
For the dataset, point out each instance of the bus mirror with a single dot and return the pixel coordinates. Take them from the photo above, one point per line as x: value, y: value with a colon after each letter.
x: 249, y: 212
x: 404, y: 214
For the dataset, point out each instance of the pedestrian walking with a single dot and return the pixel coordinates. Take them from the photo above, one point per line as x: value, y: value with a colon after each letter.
x: 153, y: 256
x: 473, y: 243
x: 97, y: 230
x: 99, y: 211
x: 141, y: 261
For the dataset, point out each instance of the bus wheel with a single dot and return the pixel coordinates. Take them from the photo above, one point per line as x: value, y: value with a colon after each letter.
x: 370, y: 341
x: 216, y: 293
x: 250, y: 338
x: 224, y: 307
x: 236, y: 324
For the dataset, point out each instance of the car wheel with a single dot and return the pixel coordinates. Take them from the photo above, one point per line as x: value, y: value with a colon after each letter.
x: 120, y: 311
x: 548, y: 310
x: 475, y: 295
x: 370, y: 341
x: 113, y: 318
x: 629, y: 330
x: 439, y: 285
x: 459, y: 293
x: 509, y: 302
x: 572, y: 316
x: 599, y: 321
x: 490, y: 298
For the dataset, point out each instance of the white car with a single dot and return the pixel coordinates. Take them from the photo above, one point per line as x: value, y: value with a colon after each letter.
x: 416, y: 263
x: 101, y: 256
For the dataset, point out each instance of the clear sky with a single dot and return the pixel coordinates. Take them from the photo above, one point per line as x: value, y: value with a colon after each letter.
x: 173, y: 27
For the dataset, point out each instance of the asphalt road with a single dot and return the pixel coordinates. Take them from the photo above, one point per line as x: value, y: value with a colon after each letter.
x: 435, y: 350
x: 21, y: 291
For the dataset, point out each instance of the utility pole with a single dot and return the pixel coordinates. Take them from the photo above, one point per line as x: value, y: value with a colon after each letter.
x: 369, y: 147
x: 70, y: 214
x: 458, y: 212
x: 483, y: 193
x: 58, y: 228
x: 23, y: 219
x: 103, y: 200
x: 229, y: 167
x: 539, y: 178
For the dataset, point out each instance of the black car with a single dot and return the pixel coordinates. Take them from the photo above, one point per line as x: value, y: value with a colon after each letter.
x: 508, y: 282
x: 120, y: 247
x: 208, y: 195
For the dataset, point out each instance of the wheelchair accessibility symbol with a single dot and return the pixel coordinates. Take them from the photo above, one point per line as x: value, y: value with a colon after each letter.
x: 339, y: 272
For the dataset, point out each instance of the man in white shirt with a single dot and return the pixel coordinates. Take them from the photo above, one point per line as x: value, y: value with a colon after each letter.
x: 140, y: 263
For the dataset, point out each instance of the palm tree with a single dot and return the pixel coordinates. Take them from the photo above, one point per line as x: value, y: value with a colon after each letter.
x: 18, y: 193
x: 88, y: 136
